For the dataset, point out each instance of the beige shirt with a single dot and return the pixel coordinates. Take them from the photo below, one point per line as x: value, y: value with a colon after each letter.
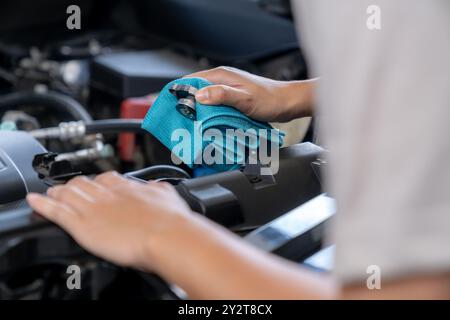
x: 384, y: 110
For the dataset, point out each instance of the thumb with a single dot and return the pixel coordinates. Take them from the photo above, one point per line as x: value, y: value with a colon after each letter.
x: 221, y: 94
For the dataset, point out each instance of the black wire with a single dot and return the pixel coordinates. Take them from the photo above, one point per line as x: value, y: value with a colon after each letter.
x: 115, y: 126
x: 51, y: 100
x: 158, y: 171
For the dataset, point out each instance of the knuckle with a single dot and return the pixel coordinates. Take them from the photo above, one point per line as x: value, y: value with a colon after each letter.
x: 78, y: 180
x: 219, y: 93
x: 166, y: 185
x: 54, y: 192
x: 154, y: 187
x: 221, y: 70
x: 110, y: 175
x: 249, y: 98
x: 247, y: 104
x: 225, y: 68
x: 99, y: 177
x: 119, y: 189
x: 67, y: 191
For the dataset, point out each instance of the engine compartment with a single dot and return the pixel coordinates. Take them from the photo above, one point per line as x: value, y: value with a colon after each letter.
x: 73, y: 103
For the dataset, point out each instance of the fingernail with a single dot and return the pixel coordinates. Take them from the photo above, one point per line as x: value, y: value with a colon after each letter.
x: 202, y: 95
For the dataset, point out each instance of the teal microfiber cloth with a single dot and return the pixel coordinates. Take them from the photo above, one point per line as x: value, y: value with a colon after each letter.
x: 206, y: 141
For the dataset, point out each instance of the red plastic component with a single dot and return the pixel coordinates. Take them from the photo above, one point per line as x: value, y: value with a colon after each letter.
x: 132, y: 108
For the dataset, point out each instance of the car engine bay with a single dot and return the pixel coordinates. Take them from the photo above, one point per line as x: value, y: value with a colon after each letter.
x: 72, y: 103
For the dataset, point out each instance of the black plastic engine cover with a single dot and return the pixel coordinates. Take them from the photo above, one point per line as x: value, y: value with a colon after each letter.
x: 17, y: 176
x: 244, y: 199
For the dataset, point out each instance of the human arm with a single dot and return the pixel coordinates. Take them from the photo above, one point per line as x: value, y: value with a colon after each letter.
x: 149, y: 227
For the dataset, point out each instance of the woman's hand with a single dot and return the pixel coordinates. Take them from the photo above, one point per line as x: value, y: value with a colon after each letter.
x: 115, y: 218
x: 258, y: 97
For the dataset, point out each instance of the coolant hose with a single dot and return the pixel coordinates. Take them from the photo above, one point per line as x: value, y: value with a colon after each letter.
x: 114, y: 126
x: 51, y: 100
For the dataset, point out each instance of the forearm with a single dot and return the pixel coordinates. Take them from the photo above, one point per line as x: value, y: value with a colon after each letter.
x: 214, y: 264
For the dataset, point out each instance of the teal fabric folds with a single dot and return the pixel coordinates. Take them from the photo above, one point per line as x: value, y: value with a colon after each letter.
x: 220, y: 138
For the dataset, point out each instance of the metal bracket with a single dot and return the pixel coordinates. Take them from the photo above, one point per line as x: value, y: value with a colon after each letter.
x: 51, y: 171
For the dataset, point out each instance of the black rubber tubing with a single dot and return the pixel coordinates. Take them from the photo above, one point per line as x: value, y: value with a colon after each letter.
x: 158, y: 170
x: 115, y: 126
x: 134, y: 125
x: 50, y: 99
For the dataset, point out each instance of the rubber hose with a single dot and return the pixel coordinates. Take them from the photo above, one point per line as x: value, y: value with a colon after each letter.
x: 115, y: 126
x: 52, y: 100
x: 158, y: 171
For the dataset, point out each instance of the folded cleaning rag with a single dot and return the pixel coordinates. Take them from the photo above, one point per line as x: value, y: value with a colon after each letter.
x: 207, y: 141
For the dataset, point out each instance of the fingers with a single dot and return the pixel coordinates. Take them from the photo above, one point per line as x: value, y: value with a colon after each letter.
x: 53, y: 210
x: 72, y: 196
x: 220, y: 75
x: 226, y: 89
x: 87, y: 185
x: 112, y: 180
x: 221, y: 94
x: 117, y: 185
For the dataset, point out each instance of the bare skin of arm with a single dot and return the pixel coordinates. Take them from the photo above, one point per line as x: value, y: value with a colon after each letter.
x: 149, y: 227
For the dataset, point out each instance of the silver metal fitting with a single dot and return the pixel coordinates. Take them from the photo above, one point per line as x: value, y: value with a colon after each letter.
x: 186, y: 99
x: 73, y: 129
x: 65, y: 131
x: 98, y: 151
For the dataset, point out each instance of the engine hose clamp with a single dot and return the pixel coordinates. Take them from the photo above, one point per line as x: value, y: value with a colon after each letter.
x: 186, y: 99
x: 72, y: 129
